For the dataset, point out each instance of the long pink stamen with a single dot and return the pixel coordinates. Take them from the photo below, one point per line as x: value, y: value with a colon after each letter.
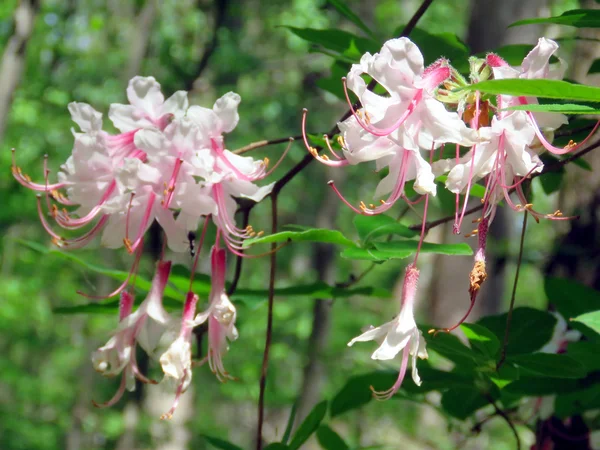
x: 384, y: 131
x: 170, y: 189
x: 219, y: 152
x: 385, y: 395
x: 143, y: 225
x: 117, y: 395
x: 67, y: 222
x: 169, y: 413
x: 26, y: 181
x: 276, y: 165
x: 123, y: 285
x: 313, y: 151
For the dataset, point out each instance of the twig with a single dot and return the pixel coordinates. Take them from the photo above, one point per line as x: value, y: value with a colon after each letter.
x: 263, y: 143
x: 412, y: 23
x: 269, y: 333
x: 512, y: 297
x: 551, y: 168
x: 507, y: 419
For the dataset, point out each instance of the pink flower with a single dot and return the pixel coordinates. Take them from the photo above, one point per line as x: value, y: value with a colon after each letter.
x: 401, y: 334
x: 221, y: 315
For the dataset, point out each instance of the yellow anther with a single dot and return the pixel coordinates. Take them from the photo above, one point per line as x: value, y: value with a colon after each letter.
x: 266, y: 162
x: 325, y: 157
x: 27, y: 177
x: 260, y: 233
x: 252, y: 234
x: 371, y: 205
x: 570, y: 145
x: 382, y: 202
x: 341, y: 141
x: 313, y: 151
x: 362, y: 205
x: 166, y: 416
x: 367, y: 118
x: 53, y: 211
x: 128, y: 245
x: 477, y: 220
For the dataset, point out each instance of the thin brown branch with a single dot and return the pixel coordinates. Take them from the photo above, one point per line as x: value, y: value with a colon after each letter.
x: 269, y: 333
x: 507, y: 419
x: 513, y: 295
x: 263, y: 143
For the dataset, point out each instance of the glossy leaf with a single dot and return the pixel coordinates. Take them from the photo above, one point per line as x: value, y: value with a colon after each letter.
x: 571, y: 298
x: 394, y: 247
x: 530, y: 329
x: 372, y: 227
x: 566, y: 108
x: 549, y: 365
x: 311, y: 235
x: 538, y: 88
x: 309, y: 426
x: 591, y: 320
x: 220, y: 443
x: 540, y: 386
x: 330, y: 440
x: 595, y: 67
x: 336, y: 40
x: 462, y: 402
x: 580, y: 18
x: 350, y: 15
x: 481, y: 339
x: 450, y: 347
x: 586, y: 353
x: 290, y: 423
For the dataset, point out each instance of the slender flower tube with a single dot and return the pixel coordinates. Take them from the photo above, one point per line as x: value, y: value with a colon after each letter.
x: 401, y: 334
x: 221, y: 315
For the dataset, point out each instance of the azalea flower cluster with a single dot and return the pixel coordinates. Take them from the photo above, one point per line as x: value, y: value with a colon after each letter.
x: 168, y: 164
x: 429, y: 108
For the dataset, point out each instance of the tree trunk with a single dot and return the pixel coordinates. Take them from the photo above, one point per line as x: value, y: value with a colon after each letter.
x: 13, y: 59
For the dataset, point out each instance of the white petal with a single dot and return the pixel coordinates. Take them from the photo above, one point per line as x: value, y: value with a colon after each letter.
x: 151, y: 141
x: 144, y: 93
x: 226, y: 109
x: 372, y: 334
x: 127, y: 117
x: 176, y: 104
x: 85, y: 116
x: 535, y: 64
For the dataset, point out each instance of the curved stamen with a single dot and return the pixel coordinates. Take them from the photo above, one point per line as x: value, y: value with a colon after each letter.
x: 330, y: 148
x: 25, y: 180
x: 115, y: 397
x: 123, y: 285
x: 143, y: 225
x: 314, y: 152
x: 169, y: 414
x: 257, y: 175
x: 280, y: 158
x: 384, y: 131
x: 570, y: 147
x: 385, y: 395
x: 67, y: 222
x: 170, y: 189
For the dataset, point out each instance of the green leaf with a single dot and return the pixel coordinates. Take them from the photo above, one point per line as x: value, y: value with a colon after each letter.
x: 580, y: 18
x: 290, y: 424
x: 311, y: 235
x: 575, y: 403
x: 462, y: 402
x: 571, y: 298
x: 330, y: 440
x: 350, y: 15
x: 549, y: 365
x: 595, y: 67
x: 371, y: 254
x: 567, y: 108
x: 552, y: 181
x: 276, y: 446
x: 591, y: 319
x: 309, y: 426
x: 336, y: 40
x: 538, y: 88
x: 481, y: 339
x: 586, y: 353
x: 399, y: 247
x: 220, y: 443
x: 530, y: 329
x: 372, y: 227
x: 435, y: 45
x: 450, y: 347
x: 540, y: 386
x: 333, y: 83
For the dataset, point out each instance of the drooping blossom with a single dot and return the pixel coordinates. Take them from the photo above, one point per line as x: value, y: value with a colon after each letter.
x: 145, y: 327
x: 176, y: 362
x: 392, y: 129
x: 221, y: 315
x: 401, y: 334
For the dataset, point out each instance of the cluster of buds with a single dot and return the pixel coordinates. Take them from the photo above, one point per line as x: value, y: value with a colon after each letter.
x: 424, y: 109
x: 168, y: 164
